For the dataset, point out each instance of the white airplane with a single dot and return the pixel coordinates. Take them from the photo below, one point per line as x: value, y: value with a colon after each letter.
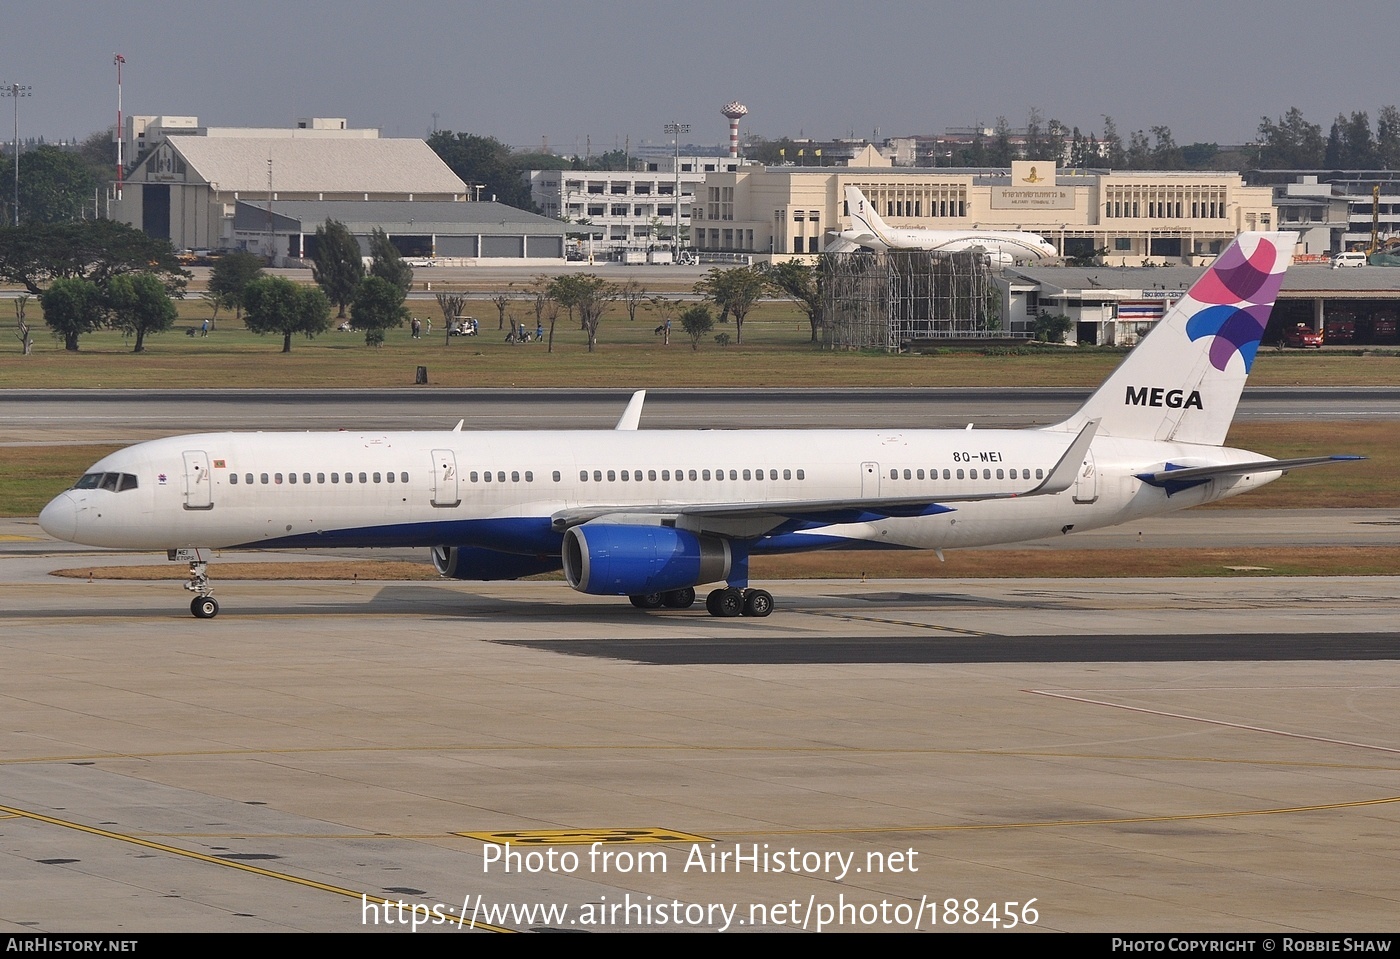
x: 1003, y: 247
x: 652, y: 514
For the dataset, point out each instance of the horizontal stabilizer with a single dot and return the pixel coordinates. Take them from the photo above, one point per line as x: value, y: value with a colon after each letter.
x: 1174, y: 475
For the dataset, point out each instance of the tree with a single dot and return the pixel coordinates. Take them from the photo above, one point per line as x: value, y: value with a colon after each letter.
x: 378, y: 306
x: 337, y: 265
x: 139, y: 305
x: 275, y: 304
x: 1291, y: 143
x: 585, y: 293
x: 387, y: 263
x: 54, y: 185
x: 697, y: 321
x: 1051, y: 329
x: 487, y: 161
x: 803, y: 285
x: 502, y: 302
x: 231, y: 275
x: 22, y: 325
x: 734, y: 291
x: 1388, y: 138
x: 452, y: 305
x: 72, y: 307
x: 39, y: 253
x: 633, y: 295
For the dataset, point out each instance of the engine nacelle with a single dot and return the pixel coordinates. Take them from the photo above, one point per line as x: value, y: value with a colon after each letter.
x: 619, y: 560
x: 473, y: 562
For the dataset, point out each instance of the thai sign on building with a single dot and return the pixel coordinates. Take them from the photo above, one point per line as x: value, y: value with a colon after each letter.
x: 1032, y: 188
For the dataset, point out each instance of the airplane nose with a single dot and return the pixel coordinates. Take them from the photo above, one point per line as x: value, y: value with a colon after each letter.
x: 60, y: 518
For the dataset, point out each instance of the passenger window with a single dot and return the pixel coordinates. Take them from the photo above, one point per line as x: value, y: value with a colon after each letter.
x: 486, y: 476
x: 515, y: 476
x: 733, y: 474
x: 263, y: 478
x: 947, y: 476
x: 999, y: 475
x: 376, y: 477
x: 597, y: 476
x: 960, y: 474
x: 335, y: 477
x: 321, y: 478
x: 233, y: 479
x: 625, y: 475
x: 349, y: 477
x: 787, y: 474
x: 692, y: 475
x: 666, y: 475
x: 705, y: 474
x: 557, y: 477
x: 292, y: 478
x: 986, y: 474
x: 651, y: 476
x: 1039, y: 474
x: 908, y: 475
x: 894, y: 474
x: 474, y: 477
x: 529, y: 476
x: 801, y: 474
x: 748, y: 474
x: 364, y: 478
x: 306, y: 478
x: 920, y: 474
x: 500, y: 476
x: 389, y: 477
x: 277, y: 478
x: 612, y: 476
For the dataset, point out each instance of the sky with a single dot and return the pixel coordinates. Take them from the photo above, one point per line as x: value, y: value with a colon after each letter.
x: 611, y: 73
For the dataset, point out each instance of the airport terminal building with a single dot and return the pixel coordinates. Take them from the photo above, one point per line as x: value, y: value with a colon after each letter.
x: 1137, y: 217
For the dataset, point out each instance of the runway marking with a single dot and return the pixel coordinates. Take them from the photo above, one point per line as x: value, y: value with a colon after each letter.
x: 582, y: 837
x: 214, y: 860
x: 1216, y: 722
x: 889, y: 622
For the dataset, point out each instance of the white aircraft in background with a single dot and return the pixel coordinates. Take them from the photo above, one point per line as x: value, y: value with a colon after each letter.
x: 1003, y: 247
x: 652, y: 514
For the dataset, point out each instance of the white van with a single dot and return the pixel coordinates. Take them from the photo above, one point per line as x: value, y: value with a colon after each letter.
x: 1353, y: 258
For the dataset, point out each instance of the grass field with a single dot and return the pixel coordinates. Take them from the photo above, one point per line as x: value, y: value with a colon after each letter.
x: 775, y: 352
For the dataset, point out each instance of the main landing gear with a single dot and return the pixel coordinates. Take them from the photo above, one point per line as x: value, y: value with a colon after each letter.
x: 724, y: 602
x: 204, y: 605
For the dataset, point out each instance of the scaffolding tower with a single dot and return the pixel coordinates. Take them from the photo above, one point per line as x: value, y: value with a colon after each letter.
x: 886, y: 300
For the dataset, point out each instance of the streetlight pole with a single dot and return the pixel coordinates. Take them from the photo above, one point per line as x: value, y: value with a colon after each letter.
x: 16, y: 90
x: 676, y: 130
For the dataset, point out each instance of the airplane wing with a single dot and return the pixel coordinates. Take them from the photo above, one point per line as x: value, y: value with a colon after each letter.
x: 763, y: 515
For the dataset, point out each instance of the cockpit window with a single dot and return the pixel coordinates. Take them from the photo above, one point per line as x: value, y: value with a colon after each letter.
x: 114, y: 482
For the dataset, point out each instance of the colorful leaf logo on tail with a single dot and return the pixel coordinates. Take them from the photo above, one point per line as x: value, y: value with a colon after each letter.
x: 1242, y: 291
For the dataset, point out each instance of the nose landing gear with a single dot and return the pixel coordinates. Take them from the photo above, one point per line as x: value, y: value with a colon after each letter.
x: 204, y: 605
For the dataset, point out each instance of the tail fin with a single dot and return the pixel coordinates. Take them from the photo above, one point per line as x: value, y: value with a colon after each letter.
x: 864, y: 219
x: 1183, y: 381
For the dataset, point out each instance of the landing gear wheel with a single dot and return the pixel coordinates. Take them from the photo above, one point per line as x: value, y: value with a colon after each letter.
x: 725, y: 602
x: 648, y: 600
x: 204, y: 607
x: 758, y: 602
x: 679, y: 598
